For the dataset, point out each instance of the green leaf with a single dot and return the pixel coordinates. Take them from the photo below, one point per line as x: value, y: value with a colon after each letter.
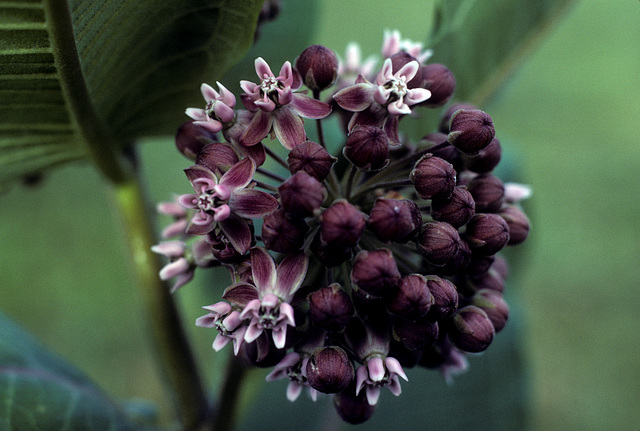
x: 40, y: 391
x: 84, y: 78
x: 483, y: 41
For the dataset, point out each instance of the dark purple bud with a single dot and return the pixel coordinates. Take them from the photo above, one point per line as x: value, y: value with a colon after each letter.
x: 518, y: 224
x: 486, y: 160
x: 283, y: 234
x: 375, y: 272
x: 471, y: 330
x: 458, y: 262
x: 489, y: 280
x: 457, y: 210
x: 329, y: 255
x: 342, y: 225
x: 301, y: 194
x: 471, y: 130
x: 217, y: 157
x: 312, y: 158
x: 329, y: 370
x: 445, y: 121
x: 191, y: 138
x: 487, y: 233
x: 412, y: 299
x: 439, y: 81
x: 433, y: 177
x: 352, y: 408
x: 438, y: 242
x: 479, y: 264
x: 318, y: 67
x: 415, y: 335
x: 444, y: 150
x: 501, y: 267
x: 488, y: 193
x: 330, y: 308
x: 494, y: 305
x: 367, y: 147
x: 395, y: 220
x: 445, y: 298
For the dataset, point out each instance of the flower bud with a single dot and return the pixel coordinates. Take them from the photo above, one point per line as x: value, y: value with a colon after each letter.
x: 518, y: 224
x: 471, y: 130
x: 457, y: 210
x: 438, y: 242
x: 445, y: 121
x: 441, y: 148
x: 439, y: 81
x: 367, y: 147
x: 471, y: 329
x: 283, y: 234
x: 501, y: 267
x: 318, y: 67
x: 301, y: 194
x: 445, y: 298
x: 191, y: 138
x: 415, y: 335
x: 489, y: 280
x: 352, y: 408
x: 487, y: 234
x: 458, y: 262
x: 486, y: 160
x: 412, y: 299
x: 312, y: 158
x: 329, y: 370
x: 488, y: 193
x: 341, y: 225
x: 395, y: 220
x: 217, y: 157
x: 494, y: 305
x: 433, y: 177
x: 375, y: 272
x: 330, y: 308
x: 329, y: 255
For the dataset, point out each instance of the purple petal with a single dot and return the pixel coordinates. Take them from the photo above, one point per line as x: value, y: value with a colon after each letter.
x: 208, y: 92
x: 239, y: 175
x: 188, y: 201
x: 290, y: 274
x: 373, y: 393
x: 197, y: 114
x: 289, y: 127
x: 391, y: 129
x: 308, y: 107
x: 262, y: 68
x: 393, y: 365
x: 361, y: 377
x: 394, y: 386
x: 238, y: 338
x: 220, y: 342
x: 249, y: 203
x: 238, y: 232
x: 240, y: 294
x: 257, y: 129
x: 181, y: 280
x: 201, y: 224
x: 294, y: 389
x: 376, y: 369
x: 250, y: 310
x: 256, y: 152
x: 253, y: 332
x: 174, y: 269
x: 265, y: 103
x: 279, y: 335
x: 200, y: 177
x: 223, y: 112
x: 263, y: 269
x: 355, y: 98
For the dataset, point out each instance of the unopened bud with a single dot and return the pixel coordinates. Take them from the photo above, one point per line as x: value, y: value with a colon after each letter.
x: 217, y: 157
x: 301, y: 194
x: 342, y: 225
x: 318, y: 67
x: 488, y: 193
x: 471, y: 130
x: 518, y: 224
x: 283, y: 234
x: 415, y: 335
x: 487, y: 234
x: 367, y: 147
x: 433, y: 177
x: 486, y: 160
x: 439, y: 81
x: 471, y: 330
x: 329, y: 370
x: 375, y: 272
x: 457, y: 210
x: 312, y: 158
x: 494, y: 305
x: 395, y: 220
x: 330, y: 308
x: 438, y: 242
x: 412, y: 299
x: 445, y: 298
x: 191, y: 138
x: 352, y: 408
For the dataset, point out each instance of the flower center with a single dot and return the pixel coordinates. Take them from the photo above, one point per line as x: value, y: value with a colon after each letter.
x: 398, y: 89
x: 210, y: 111
x: 270, y: 87
x: 269, y: 317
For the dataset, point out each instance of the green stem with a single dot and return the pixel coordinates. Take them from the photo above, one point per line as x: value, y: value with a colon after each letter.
x: 227, y: 409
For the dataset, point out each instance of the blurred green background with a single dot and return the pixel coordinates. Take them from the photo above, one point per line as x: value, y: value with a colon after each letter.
x: 567, y: 120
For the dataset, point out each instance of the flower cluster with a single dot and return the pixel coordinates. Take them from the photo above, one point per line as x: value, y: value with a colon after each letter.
x: 371, y: 257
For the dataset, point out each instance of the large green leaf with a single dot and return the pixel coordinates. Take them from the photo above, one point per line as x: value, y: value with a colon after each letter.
x: 82, y: 77
x: 483, y: 41
x: 40, y: 391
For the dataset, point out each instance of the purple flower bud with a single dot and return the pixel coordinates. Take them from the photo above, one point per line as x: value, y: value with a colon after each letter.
x: 395, y: 220
x: 283, y: 234
x: 352, y: 408
x: 191, y: 138
x: 445, y: 121
x: 479, y: 264
x: 487, y: 233
x: 433, y: 177
x: 301, y: 194
x: 518, y: 224
x: 329, y: 370
x: 494, y: 305
x: 412, y: 299
x: 341, y: 225
x: 471, y: 130
x: 488, y: 193
x: 489, y: 280
x: 471, y: 330
x: 217, y: 157
x: 312, y: 158
x: 375, y: 272
x: 438, y: 242
x: 458, y: 261
x: 445, y: 298
x: 446, y: 152
x: 329, y: 255
x: 501, y: 267
x: 330, y: 308
x: 367, y: 147
x: 457, y: 210
x: 439, y: 81
x: 318, y: 67
x: 415, y: 335
x: 486, y: 160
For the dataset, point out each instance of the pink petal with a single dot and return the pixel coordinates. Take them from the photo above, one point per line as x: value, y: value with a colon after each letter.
x: 361, y: 377
x: 240, y: 294
x: 170, y: 248
x: 210, y: 124
x: 174, y: 268
x: 201, y: 224
x: 201, y: 177
x: 381, y: 95
x: 226, y: 96
x: 223, y: 112
x: 294, y: 389
x: 237, y: 232
x: 176, y: 228
x: 408, y: 71
x: 249, y: 203
x: 279, y: 335
x: 239, y: 175
x: 290, y: 274
x: 262, y: 68
x: 373, y: 394
x: 251, y: 88
x: 386, y: 73
x: 197, y: 114
x: 181, y: 280
x: 308, y: 107
x: 355, y: 98
x: 398, y: 108
x: 257, y: 129
x: 219, y: 308
x: 393, y: 365
x: 286, y: 311
x: 265, y: 103
x: 188, y: 201
x: 417, y: 95
x: 288, y: 127
x: 394, y: 386
x: 253, y: 332
x: 269, y: 301
x: 220, y: 342
x: 376, y: 369
x: 251, y: 309
x: 263, y: 269
x: 208, y: 92
x: 207, y: 321
x: 286, y: 75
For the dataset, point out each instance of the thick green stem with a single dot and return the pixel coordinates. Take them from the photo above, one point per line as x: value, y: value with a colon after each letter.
x: 226, y: 411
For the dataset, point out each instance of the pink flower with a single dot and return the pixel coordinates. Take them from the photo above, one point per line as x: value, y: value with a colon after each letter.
x: 183, y: 260
x: 227, y: 321
x: 219, y: 108
x: 266, y: 302
x: 377, y: 372
x: 277, y: 107
x: 293, y: 367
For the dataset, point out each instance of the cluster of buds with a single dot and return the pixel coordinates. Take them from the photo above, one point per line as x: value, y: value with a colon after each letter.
x: 370, y: 257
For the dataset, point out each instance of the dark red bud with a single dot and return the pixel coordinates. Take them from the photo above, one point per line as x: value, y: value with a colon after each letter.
x: 471, y: 330
x: 301, y: 194
x: 488, y: 193
x: 471, y: 130
x: 395, y: 220
x: 433, y: 177
x: 330, y: 308
x: 318, y: 67
x: 375, y: 272
x: 487, y: 234
x: 367, y: 147
x: 486, y: 160
x: 283, y: 234
x: 439, y: 81
x: 457, y: 210
x: 415, y: 335
x: 191, y: 138
x: 352, y: 408
x: 518, y: 224
x: 494, y: 305
x: 217, y: 157
x: 342, y: 225
x: 329, y: 370
x: 445, y: 298
x: 412, y: 299
x: 438, y: 242
x: 312, y: 158
x: 445, y: 121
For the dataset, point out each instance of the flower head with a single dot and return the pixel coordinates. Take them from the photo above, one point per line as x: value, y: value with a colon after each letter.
x: 219, y: 108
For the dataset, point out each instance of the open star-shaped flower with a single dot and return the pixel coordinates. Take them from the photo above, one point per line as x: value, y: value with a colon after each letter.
x: 219, y: 108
